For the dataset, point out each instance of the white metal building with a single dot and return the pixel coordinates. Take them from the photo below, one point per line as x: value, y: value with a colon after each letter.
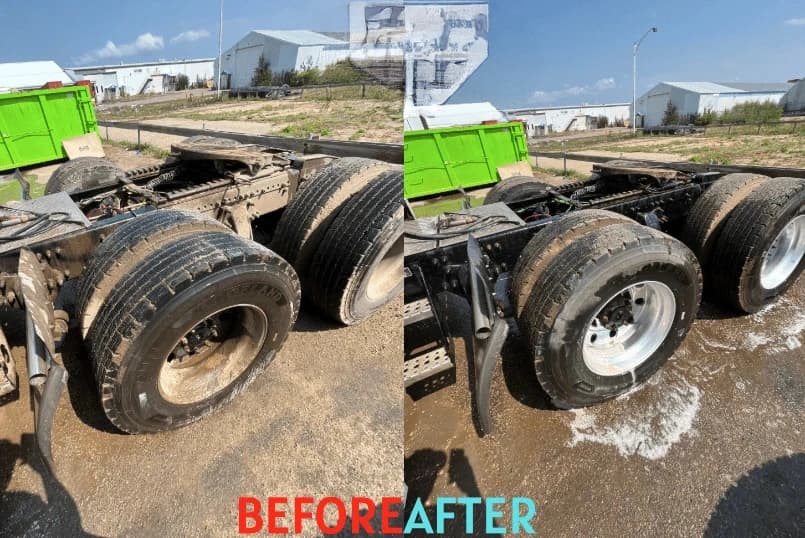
x: 26, y: 75
x: 793, y: 102
x: 700, y: 97
x: 112, y: 81
x: 560, y: 119
x: 438, y: 116
x: 284, y: 50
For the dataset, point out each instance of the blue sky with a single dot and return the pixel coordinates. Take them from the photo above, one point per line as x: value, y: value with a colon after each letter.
x: 541, y: 53
x: 544, y: 53
x: 144, y: 30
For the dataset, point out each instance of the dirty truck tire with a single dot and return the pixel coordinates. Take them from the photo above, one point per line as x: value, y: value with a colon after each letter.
x: 211, y: 141
x: 546, y: 245
x: 708, y: 215
x: 750, y: 236
x: 83, y: 173
x: 117, y: 255
x: 514, y: 189
x: 305, y: 220
x: 646, y: 281
x: 358, y: 266
x: 190, y: 327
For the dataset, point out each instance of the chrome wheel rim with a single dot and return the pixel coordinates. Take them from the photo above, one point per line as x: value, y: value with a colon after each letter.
x: 212, y: 354
x: 629, y: 328
x: 784, y: 255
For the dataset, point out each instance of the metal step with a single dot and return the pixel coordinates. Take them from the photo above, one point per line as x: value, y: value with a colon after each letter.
x: 417, y: 311
x: 426, y: 365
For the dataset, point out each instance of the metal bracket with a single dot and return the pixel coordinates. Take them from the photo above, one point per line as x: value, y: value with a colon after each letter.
x: 489, y: 332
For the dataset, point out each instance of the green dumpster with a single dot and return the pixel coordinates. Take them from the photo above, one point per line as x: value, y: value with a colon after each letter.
x: 34, y: 123
x: 441, y: 160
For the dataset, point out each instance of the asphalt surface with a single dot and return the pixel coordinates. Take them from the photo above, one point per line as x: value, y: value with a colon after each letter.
x: 324, y: 419
x: 713, y: 445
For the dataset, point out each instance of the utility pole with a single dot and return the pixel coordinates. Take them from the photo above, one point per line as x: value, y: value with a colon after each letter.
x: 220, y: 40
x: 635, y: 46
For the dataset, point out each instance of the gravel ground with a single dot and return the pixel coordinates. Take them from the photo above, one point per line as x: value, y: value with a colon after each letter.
x: 714, y: 444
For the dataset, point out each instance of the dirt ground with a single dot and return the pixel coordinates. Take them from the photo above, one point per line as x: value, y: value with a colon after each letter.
x: 714, y: 444
x: 324, y: 419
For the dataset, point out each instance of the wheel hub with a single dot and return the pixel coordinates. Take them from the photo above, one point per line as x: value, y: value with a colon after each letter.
x: 784, y: 255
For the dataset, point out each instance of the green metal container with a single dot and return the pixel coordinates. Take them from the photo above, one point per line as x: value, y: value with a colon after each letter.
x: 34, y: 123
x: 441, y: 160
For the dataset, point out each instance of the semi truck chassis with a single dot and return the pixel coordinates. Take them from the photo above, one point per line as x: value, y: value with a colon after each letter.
x: 524, y: 236
x: 123, y: 256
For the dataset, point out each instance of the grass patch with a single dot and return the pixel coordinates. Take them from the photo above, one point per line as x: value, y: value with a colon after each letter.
x: 344, y: 93
x: 307, y: 127
x: 11, y: 191
x: 357, y: 134
x: 146, y: 149
x: 571, y: 174
x: 154, y: 110
x: 445, y: 204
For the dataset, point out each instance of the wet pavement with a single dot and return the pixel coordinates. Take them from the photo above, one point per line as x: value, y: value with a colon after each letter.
x: 713, y: 444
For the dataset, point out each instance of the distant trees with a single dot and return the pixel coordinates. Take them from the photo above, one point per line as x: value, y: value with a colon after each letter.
x: 262, y: 73
x: 182, y: 82
x: 671, y: 115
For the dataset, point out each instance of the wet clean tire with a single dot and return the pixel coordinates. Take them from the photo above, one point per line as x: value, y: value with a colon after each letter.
x: 653, y: 280
x: 188, y: 328
x: 708, y: 215
x: 514, y: 189
x: 129, y: 244
x: 749, y: 238
x: 308, y: 215
x: 358, y: 266
x: 544, y: 246
x: 83, y: 173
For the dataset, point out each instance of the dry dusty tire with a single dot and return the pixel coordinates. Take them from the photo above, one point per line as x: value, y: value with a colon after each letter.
x: 514, y: 189
x: 761, y: 249
x: 147, y: 343
x: 358, y: 266
x: 544, y: 246
x: 117, y: 255
x: 307, y: 217
x: 211, y: 141
x: 83, y: 173
x: 640, y: 282
x: 710, y: 212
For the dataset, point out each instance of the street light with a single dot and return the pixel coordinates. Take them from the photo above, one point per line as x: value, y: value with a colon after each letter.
x: 635, y: 46
x: 220, y: 37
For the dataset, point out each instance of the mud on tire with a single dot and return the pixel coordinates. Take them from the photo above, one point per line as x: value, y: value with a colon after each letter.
x: 358, y: 266
x: 306, y: 219
x: 83, y: 173
x: 188, y: 328
x: 514, y: 189
x: 613, y: 275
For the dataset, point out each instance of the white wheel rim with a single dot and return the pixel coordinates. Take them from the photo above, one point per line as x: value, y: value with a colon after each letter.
x: 784, y: 254
x: 629, y: 328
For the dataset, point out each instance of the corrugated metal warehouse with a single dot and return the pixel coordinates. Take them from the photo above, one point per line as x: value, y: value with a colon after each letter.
x: 793, y: 102
x: 111, y: 81
x: 700, y: 97
x: 25, y: 75
x: 560, y: 119
x: 284, y: 50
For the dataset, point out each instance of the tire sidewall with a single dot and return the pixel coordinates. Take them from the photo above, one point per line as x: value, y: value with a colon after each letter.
x: 563, y: 354
x: 357, y: 304
x: 753, y: 295
x: 139, y: 394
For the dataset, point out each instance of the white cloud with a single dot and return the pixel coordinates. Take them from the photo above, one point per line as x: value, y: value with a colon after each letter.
x: 798, y: 21
x: 190, y: 35
x: 144, y: 43
x: 550, y: 96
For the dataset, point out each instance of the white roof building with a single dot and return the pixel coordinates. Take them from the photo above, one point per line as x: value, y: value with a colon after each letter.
x: 793, y: 102
x: 693, y: 98
x: 27, y: 75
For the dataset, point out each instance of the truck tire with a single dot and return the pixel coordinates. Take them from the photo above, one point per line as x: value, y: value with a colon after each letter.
x: 514, y: 189
x: 305, y: 220
x: 210, y: 141
x: 358, y: 266
x: 761, y: 250
x: 83, y: 173
x: 188, y: 328
x: 608, y: 310
x: 117, y: 255
x: 544, y: 246
x: 710, y: 212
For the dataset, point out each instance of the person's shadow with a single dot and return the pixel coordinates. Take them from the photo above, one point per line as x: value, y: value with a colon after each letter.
x: 27, y: 514
x: 767, y: 501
